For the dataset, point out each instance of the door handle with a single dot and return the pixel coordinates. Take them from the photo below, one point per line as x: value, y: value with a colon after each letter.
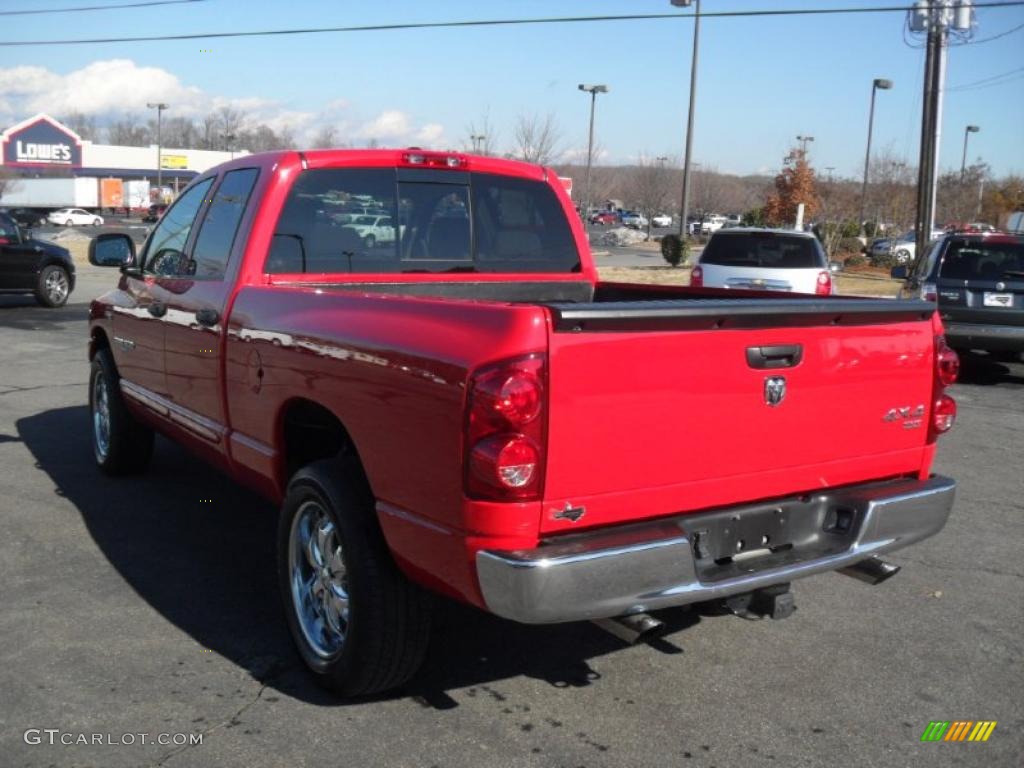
x: 207, y: 317
x: 157, y: 309
x: 775, y: 356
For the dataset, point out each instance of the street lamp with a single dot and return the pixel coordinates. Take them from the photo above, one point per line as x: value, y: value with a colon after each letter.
x: 803, y: 143
x: 689, y: 118
x: 967, y: 132
x: 159, y: 106
x: 593, y: 90
x: 878, y: 84
x: 229, y: 140
x: 478, y: 141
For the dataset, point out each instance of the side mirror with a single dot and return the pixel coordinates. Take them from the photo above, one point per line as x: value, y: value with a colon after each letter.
x: 899, y: 273
x: 112, y: 249
x: 835, y: 267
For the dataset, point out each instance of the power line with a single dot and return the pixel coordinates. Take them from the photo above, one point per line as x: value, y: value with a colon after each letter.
x: 1018, y: 28
x: 98, y: 7
x: 494, y: 23
x: 987, y: 81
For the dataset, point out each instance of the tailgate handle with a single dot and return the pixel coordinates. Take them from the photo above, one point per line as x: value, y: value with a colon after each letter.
x: 777, y: 356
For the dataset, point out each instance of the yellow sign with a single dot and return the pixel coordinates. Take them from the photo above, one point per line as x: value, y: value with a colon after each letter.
x: 173, y: 161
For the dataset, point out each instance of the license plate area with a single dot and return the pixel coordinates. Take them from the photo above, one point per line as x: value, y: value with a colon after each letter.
x: 998, y: 299
x: 735, y: 542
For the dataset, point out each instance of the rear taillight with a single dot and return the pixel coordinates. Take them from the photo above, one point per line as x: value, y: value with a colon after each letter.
x: 943, y: 414
x: 928, y: 292
x: 506, y: 427
x: 947, y: 368
x: 823, y: 285
x: 697, y: 277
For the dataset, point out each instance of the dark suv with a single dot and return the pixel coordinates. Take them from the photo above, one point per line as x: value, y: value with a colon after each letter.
x: 978, y: 282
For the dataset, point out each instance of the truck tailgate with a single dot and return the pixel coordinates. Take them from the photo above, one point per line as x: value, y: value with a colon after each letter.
x: 662, y: 407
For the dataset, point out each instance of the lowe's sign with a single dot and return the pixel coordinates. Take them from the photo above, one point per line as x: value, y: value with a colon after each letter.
x: 41, y: 141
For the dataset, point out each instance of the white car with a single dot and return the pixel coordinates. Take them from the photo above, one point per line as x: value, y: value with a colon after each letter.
x: 634, y: 220
x: 661, y: 220
x: 374, y: 229
x: 712, y: 224
x: 905, y: 248
x: 70, y: 217
x: 764, y: 260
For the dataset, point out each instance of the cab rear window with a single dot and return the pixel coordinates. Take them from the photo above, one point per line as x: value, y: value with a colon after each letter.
x: 382, y: 220
x: 967, y: 260
x: 762, y: 249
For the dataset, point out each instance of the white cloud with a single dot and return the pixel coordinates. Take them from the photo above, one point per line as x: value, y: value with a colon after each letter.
x: 111, y: 88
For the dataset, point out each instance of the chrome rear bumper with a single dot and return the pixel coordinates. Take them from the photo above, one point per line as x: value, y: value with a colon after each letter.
x: 645, y: 566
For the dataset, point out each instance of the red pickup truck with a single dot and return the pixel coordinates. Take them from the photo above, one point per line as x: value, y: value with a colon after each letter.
x: 464, y: 408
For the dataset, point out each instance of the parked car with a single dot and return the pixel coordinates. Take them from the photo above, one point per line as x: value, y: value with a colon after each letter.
x: 712, y: 223
x: 661, y: 220
x: 34, y: 266
x: 26, y: 218
x: 374, y: 229
x: 904, y: 247
x: 605, y: 218
x: 476, y: 414
x: 69, y: 217
x: 634, y: 220
x: 977, y: 281
x: 154, y: 212
x: 764, y: 259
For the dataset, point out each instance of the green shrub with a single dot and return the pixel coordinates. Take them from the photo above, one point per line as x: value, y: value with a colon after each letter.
x: 850, y: 244
x: 672, y: 249
x: 884, y: 260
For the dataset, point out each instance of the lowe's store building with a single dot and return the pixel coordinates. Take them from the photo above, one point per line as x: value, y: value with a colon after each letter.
x: 40, y: 150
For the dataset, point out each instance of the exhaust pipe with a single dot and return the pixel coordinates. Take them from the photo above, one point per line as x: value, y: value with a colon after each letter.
x: 636, y: 628
x: 871, y: 571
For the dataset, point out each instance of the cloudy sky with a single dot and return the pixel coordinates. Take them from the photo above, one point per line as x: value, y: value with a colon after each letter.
x: 762, y: 80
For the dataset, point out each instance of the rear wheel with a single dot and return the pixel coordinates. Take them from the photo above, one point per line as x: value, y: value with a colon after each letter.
x: 369, y: 241
x: 53, y: 286
x: 120, y: 443
x: 69, y: 223
x: 360, y: 626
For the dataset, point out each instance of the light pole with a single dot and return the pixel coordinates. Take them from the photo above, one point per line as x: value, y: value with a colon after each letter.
x: 159, y: 106
x: 229, y: 140
x: 593, y: 90
x: 963, y: 163
x: 803, y: 143
x: 478, y: 141
x: 689, y: 119
x: 878, y: 84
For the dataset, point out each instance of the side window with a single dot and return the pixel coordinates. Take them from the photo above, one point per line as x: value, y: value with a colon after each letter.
x: 8, y: 229
x: 166, y: 252
x: 217, y: 234
x: 324, y: 227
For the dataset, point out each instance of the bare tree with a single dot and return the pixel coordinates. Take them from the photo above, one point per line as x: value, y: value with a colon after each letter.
x: 179, y: 132
x: 536, y: 138
x: 650, y: 188
x: 959, y: 196
x: 325, y: 138
x: 892, y: 191
x: 129, y: 132
x: 481, y: 136
x: 84, y: 125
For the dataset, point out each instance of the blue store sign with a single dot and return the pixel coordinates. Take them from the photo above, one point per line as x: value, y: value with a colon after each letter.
x: 41, y: 141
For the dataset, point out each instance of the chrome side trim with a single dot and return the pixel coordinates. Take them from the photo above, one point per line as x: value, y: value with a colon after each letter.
x: 649, y: 566
x: 252, y: 444
x: 183, y: 417
x: 383, y: 508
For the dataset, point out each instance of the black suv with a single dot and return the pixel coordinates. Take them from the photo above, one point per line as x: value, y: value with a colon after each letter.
x: 978, y: 281
x: 34, y: 266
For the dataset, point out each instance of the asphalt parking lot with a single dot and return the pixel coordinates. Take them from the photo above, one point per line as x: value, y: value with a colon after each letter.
x: 149, y: 605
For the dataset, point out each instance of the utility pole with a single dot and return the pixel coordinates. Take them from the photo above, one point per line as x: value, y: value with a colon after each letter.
x: 963, y: 163
x: 593, y: 90
x: 159, y: 107
x: 689, y: 119
x: 936, y: 18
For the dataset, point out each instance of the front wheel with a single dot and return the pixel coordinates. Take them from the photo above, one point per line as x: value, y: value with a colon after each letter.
x: 53, y: 287
x: 120, y: 444
x: 903, y: 256
x: 369, y: 241
x: 69, y: 223
x: 97, y: 223
x: 360, y: 626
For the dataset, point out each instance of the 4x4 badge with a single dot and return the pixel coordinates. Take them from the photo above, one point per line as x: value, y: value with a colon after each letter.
x: 774, y: 390
x: 570, y: 513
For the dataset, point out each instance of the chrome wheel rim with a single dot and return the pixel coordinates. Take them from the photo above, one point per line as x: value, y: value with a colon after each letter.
x: 56, y: 286
x: 100, y: 417
x: 319, y: 580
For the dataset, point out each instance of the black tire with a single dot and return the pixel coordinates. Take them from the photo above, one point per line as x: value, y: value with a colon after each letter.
x: 129, y: 445
x: 97, y: 222
x: 369, y: 241
x: 387, y: 625
x: 53, y: 286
